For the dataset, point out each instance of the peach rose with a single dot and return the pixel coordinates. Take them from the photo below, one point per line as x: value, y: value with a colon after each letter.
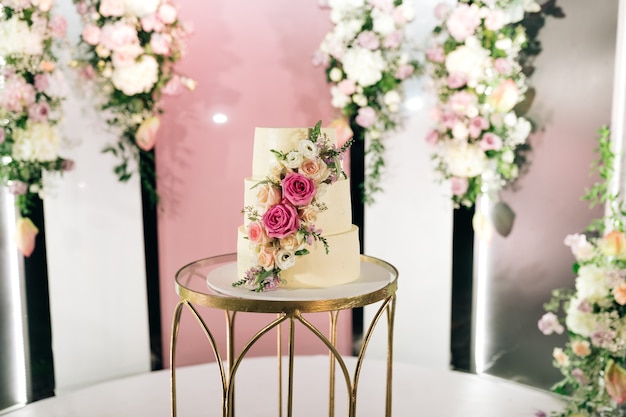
x: 145, y: 137
x: 309, y: 214
x: 267, y: 195
x: 504, y: 97
x: 265, y: 257
x: 25, y: 233
x: 47, y: 66
x: 256, y: 233
x: 316, y: 169
x: 613, y: 244
x: 291, y: 243
x: 560, y: 356
x: 581, y: 348
x: 619, y: 293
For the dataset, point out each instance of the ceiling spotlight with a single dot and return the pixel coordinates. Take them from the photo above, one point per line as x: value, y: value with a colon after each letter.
x: 220, y: 118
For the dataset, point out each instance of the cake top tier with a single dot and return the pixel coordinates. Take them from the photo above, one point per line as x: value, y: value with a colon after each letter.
x: 282, y: 139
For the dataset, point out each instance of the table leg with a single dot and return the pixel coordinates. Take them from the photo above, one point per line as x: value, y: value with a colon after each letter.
x: 333, y: 341
x: 173, y: 340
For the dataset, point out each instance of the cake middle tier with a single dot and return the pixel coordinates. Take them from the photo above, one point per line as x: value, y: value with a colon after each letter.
x: 336, y: 219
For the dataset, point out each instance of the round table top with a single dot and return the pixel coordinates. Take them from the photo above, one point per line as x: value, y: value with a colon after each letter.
x: 208, y: 282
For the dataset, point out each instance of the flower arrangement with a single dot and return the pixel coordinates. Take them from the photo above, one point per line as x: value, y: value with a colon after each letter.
x: 366, y: 58
x: 282, y: 224
x: 593, y: 360
x: 130, y: 47
x: 30, y: 106
x: 473, y: 63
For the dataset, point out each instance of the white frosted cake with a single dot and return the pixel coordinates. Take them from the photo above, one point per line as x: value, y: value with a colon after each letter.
x: 297, y: 230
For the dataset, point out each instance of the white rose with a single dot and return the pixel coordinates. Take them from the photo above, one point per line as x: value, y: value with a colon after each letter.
x: 464, y: 160
x: 38, y: 142
x: 136, y: 78
x: 141, y: 8
x: 593, y: 283
x: 468, y: 61
x: 364, y: 66
x: 383, y: 23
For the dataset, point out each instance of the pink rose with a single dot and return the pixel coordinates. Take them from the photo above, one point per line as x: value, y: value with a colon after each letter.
x: 368, y: 40
x: 404, y: 71
x: 118, y: 35
x: 167, y: 13
x: 25, y: 233
x: 39, y: 112
x: 366, y: 117
x: 490, y: 142
x: 436, y: 54
x: 449, y: 119
x: 393, y: 39
x: 145, y: 137
x: 461, y: 101
x: 111, y: 8
x: 456, y: 80
x: 504, y: 97
x: 41, y: 82
x: 151, y: 23
x: 459, y: 185
x: 549, y: 323
x: 432, y: 137
x: 347, y: 87
x: 17, y: 94
x: 463, y: 21
x: 256, y: 233
x: 477, y: 125
x: 58, y: 25
x: 281, y: 220
x: 502, y: 66
x: 161, y: 44
x: 298, y: 189
x: 91, y: 34
x: 126, y: 55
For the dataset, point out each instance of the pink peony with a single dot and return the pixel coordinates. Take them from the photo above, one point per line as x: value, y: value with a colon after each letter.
x: 298, y: 189
x: 150, y: 23
x: 502, y: 65
x: 504, y: 97
x: 347, y: 87
x: 366, y: 117
x: 436, y: 54
x: 58, y: 25
x: 393, y: 40
x: 39, y: 112
x: 459, y: 185
x: 25, y: 233
x: 490, y: 142
x: 463, y: 21
x: 118, y: 35
x: 320, y: 59
x: 173, y: 87
x: 477, y: 125
x: 404, y: 71
x: 448, y: 119
x: 281, y: 220
x: 461, y: 101
x: 112, y: 8
x: 495, y: 20
x: 161, y: 44
x: 368, y: 40
x: 167, y: 13
x: 17, y: 94
x: 432, y: 137
x: 456, y: 80
x: 145, y: 137
x: 91, y: 34
x: 41, y: 82
x: 126, y: 55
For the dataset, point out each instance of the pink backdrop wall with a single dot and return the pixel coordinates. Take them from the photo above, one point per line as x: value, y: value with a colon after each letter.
x: 255, y: 67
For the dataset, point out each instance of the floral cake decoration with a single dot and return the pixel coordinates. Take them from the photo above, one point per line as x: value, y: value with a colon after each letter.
x: 282, y: 223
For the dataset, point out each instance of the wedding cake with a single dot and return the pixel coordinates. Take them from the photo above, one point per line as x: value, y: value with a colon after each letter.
x: 297, y: 230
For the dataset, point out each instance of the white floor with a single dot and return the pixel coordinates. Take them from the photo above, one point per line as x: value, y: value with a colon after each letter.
x: 417, y: 391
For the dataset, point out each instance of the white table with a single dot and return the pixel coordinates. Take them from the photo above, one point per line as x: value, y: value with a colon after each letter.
x: 417, y: 392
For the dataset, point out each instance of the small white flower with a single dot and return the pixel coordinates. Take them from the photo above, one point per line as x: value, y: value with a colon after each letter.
x: 339, y: 100
x: 508, y: 156
x: 285, y: 259
x: 364, y: 66
x: 335, y: 74
x: 293, y: 159
x: 359, y: 99
x: 504, y: 44
x: 308, y: 149
x: 510, y: 119
x: 392, y: 97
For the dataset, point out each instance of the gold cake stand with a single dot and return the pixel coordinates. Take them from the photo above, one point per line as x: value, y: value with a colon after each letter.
x: 206, y: 283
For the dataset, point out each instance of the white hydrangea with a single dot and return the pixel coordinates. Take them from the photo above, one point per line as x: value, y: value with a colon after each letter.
x: 463, y: 159
x: 18, y: 38
x: 38, y: 142
x: 141, y: 8
x: 137, y: 78
x: 363, y: 66
x: 383, y: 23
x: 593, y: 283
x: 578, y: 321
x: 469, y: 61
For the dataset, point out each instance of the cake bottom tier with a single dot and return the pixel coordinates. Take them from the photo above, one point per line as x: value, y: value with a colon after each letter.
x: 316, y: 269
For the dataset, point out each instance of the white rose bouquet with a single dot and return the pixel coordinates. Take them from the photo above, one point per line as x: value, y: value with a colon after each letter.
x: 367, y: 57
x: 593, y: 361
x: 473, y: 62
x: 129, y: 48
x: 30, y: 106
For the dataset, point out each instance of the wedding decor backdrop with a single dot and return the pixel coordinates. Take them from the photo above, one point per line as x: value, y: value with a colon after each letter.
x: 473, y: 63
x: 367, y: 57
x: 31, y: 94
x: 593, y: 360
x: 130, y: 48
